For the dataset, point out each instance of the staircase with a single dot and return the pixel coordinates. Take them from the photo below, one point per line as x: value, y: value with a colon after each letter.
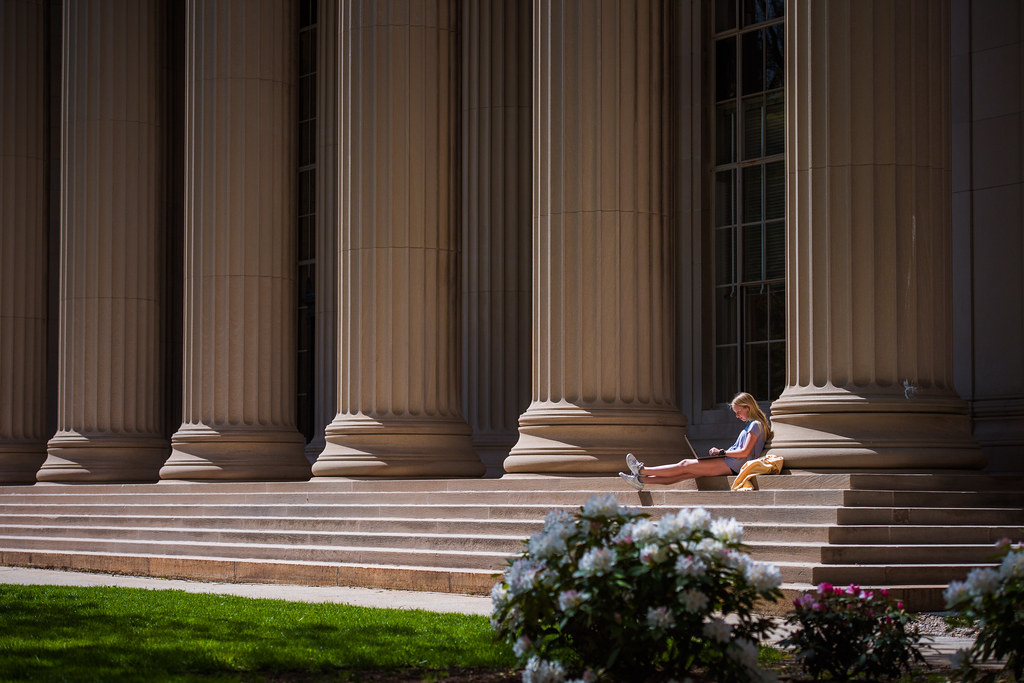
x: 911, y: 533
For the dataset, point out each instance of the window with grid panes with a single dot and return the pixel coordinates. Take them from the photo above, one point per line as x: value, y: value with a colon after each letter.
x: 306, y: 273
x: 749, y: 198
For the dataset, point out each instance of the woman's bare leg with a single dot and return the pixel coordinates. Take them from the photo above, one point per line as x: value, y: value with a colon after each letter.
x: 683, y: 470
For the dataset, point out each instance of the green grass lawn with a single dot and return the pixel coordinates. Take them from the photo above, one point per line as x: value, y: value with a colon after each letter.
x: 52, y: 633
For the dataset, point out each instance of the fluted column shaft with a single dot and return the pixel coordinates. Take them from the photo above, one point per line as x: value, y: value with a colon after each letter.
x: 603, y: 372
x: 496, y: 176
x: 869, y: 376
x: 399, y: 407
x: 23, y: 228
x: 238, y: 412
x: 111, y: 384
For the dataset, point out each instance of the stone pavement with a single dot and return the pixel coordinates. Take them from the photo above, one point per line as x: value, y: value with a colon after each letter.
x: 362, y: 597
x: 938, y: 653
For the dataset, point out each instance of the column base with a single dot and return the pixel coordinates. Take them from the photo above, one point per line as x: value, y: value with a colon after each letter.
x: 74, y: 457
x: 841, y: 430
x: 199, y: 452
x: 360, y: 446
x: 19, y: 462
x: 563, y: 438
x: 492, y: 449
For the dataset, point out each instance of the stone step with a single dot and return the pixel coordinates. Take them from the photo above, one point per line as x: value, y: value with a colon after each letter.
x: 897, y: 555
x: 432, y: 557
x: 935, y: 499
x: 892, y: 575
x: 930, y: 516
x: 923, y: 534
x: 565, y: 499
x: 412, y: 525
x: 742, y: 513
x: 398, y: 577
x: 231, y: 537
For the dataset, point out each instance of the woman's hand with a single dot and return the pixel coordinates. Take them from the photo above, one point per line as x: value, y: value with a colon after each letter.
x: 716, y: 451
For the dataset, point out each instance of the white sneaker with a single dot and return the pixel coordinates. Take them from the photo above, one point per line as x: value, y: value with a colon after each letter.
x: 633, y: 464
x: 633, y: 480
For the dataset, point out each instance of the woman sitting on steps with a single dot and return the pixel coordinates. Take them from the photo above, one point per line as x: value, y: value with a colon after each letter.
x: 748, y: 446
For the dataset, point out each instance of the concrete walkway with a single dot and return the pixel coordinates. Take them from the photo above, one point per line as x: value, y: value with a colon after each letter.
x: 937, y: 653
x: 362, y: 597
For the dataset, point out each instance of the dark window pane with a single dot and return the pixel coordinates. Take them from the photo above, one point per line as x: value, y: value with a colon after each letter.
x: 724, y: 251
x: 775, y: 250
x: 775, y: 190
x: 307, y: 143
x: 775, y: 124
x: 725, y: 193
x: 777, y: 312
x: 307, y: 192
x: 725, y: 15
x: 776, y: 369
x: 307, y: 52
x: 307, y: 98
x: 307, y: 13
x: 752, y: 194
x: 725, y: 69
x: 753, y: 108
x: 753, y: 255
x: 755, y: 313
x: 725, y: 315
x: 753, y: 63
x: 726, y: 376
x: 725, y: 133
x: 774, y: 61
x: 757, y: 11
x: 756, y: 366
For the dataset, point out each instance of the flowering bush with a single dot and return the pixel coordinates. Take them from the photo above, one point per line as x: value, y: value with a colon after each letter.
x: 993, y: 601
x: 609, y: 593
x: 846, y: 632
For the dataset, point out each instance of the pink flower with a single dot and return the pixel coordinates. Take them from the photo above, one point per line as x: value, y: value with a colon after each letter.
x: 824, y: 588
x: 899, y: 606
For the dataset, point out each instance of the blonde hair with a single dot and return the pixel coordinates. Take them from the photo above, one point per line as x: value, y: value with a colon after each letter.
x: 755, y: 413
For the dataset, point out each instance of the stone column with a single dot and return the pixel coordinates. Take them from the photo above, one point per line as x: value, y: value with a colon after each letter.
x: 496, y: 48
x: 111, y: 382
x: 325, y: 400
x: 23, y: 243
x: 399, y: 405
x: 870, y: 382
x: 603, y: 335
x: 238, y: 412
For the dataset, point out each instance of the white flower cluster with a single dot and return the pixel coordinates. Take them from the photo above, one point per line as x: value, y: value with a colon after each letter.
x: 601, y: 506
x: 522, y: 575
x: 716, y: 629
x: 728, y: 530
x: 598, y: 561
x: 569, y: 601
x: 660, y: 618
x: 693, y: 601
x: 1012, y: 566
x: 638, y: 531
x: 690, y: 566
x: 541, y: 671
x: 763, y: 576
x: 980, y: 582
x: 571, y: 575
x: 985, y: 581
x: 653, y: 554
